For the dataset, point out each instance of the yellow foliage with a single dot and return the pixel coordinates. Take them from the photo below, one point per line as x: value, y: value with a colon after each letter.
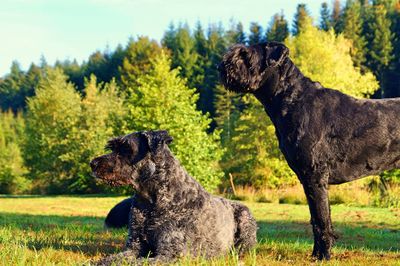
x: 325, y: 57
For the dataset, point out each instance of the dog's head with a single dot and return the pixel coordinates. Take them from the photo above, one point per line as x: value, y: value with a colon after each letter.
x: 246, y: 68
x: 130, y: 157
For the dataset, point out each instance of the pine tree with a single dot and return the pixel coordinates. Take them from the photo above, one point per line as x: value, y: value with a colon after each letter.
x: 337, y: 16
x: 11, y: 96
x: 392, y: 76
x: 353, y: 30
x: 203, y: 63
x: 216, y: 46
x: 163, y: 101
x: 300, y: 18
x: 184, y: 53
x: 379, y: 39
x: 255, y: 33
x: 235, y: 34
x: 278, y: 29
x: 228, y: 106
x: 325, y: 18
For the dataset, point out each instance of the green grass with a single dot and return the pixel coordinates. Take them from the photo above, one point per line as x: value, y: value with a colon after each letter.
x: 69, y: 231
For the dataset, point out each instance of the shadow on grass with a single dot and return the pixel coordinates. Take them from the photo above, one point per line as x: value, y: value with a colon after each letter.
x: 86, y: 234
x: 71, y: 233
x: 351, y: 236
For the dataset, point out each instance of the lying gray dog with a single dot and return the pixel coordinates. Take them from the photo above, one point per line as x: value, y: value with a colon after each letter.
x: 327, y: 137
x: 172, y: 215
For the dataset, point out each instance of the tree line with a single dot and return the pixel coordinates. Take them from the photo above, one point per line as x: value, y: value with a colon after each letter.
x: 56, y: 117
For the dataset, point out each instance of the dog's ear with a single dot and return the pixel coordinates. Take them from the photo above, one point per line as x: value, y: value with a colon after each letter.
x: 157, y: 139
x: 275, y: 54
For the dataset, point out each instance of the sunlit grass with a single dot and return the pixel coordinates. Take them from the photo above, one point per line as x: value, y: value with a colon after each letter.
x: 69, y: 231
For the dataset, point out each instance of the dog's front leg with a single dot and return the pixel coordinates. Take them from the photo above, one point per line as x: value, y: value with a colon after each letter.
x: 170, y: 245
x: 316, y: 191
x: 135, y: 242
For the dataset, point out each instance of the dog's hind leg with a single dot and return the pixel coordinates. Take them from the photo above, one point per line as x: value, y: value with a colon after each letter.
x: 316, y: 191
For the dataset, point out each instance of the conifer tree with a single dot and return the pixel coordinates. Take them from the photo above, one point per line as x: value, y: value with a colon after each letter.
x: 300, y: 18
x: 11, y: 96
x: 216, y: 47
x: 325, y: 17
x: 353, y: 30
x: 337, y: 16
x: 392, y: 76
x: 255, y: 35
x: 379, y: 39
x: 235, y: 34
x: 184, y: 54
x: 278, y: 29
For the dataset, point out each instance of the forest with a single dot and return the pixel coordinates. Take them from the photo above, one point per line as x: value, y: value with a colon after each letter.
x: 55, y: 118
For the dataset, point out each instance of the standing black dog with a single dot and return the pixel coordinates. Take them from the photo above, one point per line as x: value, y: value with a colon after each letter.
x: 327, y: 137
x: 171, y: 215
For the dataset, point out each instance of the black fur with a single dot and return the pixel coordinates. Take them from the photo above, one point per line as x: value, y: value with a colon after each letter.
x: 118, y: 216
x: 327, y: 137
x: 172, y: 215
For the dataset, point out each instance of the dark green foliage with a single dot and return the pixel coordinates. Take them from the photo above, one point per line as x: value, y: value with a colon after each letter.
x: 278, y: 29
x: 228, y: 106
x: 392, y: 76
x: 184, y: 55
x: 300, y: 18
x: 379, y: 42
x: 337, y: 16
x: 17, y: 86
x: 325, y: 17
x: 235, y: 34
x: 379, y: 39
x: 256, y: 35
x: 353, y: 30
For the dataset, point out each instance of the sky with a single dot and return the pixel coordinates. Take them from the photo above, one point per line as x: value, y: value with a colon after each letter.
x: 74, y: 29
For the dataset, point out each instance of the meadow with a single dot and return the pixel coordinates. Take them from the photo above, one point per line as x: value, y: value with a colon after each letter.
x: 68, y: 230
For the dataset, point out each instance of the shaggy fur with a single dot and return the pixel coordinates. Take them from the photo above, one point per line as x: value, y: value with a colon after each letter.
x: 327, y: 137
x: 118, y: 217
x: 172, y: 215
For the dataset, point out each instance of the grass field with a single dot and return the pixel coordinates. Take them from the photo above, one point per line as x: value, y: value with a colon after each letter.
x: 69, y: 231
